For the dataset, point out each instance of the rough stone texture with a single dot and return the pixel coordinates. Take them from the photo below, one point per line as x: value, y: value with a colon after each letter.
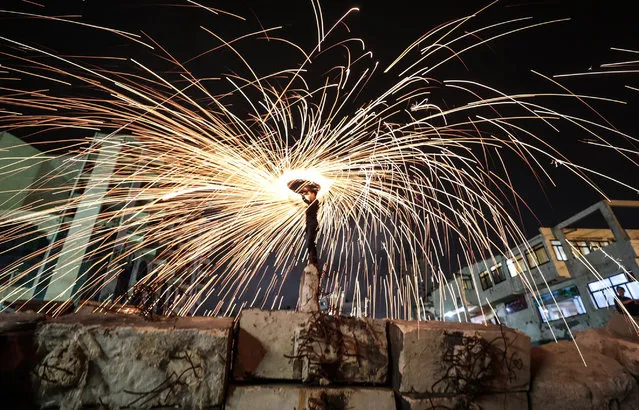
x: 266, y: 345
x: 309, y: 290
x: 343, y: 350
x: 315, y: 348
x: 439, y: 357
x: 116, y: 361
x: 497, y: 401
x: 623, y: 351
x: 297, y: 397
x: 560, y: 380
x: 621, y: 326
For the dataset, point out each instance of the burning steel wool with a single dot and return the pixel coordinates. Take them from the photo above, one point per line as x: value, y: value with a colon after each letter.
x: 196, y: 171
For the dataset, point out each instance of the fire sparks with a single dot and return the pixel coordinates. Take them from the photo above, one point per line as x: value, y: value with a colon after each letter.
x: 196, y: 172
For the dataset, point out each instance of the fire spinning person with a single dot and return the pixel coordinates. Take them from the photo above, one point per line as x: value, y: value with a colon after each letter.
x: 308, y: 300
x: 309, y: 196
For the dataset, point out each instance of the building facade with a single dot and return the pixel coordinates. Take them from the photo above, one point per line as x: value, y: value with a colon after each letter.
x: 560, y: 281
x: 39, y: 191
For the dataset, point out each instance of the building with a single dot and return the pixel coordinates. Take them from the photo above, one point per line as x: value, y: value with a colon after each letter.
x: 561, y: 280
x: 59, y: 201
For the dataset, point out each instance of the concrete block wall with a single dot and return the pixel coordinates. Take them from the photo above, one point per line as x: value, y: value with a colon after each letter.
x: 282, y: 360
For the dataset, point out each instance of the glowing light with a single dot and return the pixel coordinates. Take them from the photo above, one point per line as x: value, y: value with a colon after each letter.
x: 303, y: 174
x: 203, y: 175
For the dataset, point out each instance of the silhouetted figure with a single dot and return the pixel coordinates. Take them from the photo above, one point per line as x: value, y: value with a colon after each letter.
x: 308, y: 300
x: 312, y: 225
x: 631, y: 305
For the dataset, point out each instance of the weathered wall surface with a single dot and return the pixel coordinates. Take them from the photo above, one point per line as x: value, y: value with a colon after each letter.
x: 291, y: 360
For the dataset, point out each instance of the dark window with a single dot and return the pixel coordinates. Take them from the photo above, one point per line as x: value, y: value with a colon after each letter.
x: 516, y: 305
x: 484, y: 278
x: 467, y: 282
x: 497, y: 274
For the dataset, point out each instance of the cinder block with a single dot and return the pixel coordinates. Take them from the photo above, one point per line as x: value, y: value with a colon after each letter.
x: 116, y: 361
x: 266, y: 345
x: 496, y: 401
x: 343, y: 350
x: 433, y: 357
x: 299, y: 397
x: 314, y: 348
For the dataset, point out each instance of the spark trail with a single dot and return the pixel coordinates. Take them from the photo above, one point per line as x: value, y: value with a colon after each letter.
x: 196, y: 169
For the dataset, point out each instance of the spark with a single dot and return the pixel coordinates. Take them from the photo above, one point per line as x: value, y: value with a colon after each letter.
x: 195, y: 170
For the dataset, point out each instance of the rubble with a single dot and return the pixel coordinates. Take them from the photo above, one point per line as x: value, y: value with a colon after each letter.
x: 562, y: 380
x: 623, y: 351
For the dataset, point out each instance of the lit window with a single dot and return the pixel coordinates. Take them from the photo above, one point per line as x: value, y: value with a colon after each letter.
x: 531, y: 259
x: 519, y: 263
x: 594, y: 245
x: 540, y: 254
x: 603, y: 291
x: 467, y: 283
x: 559, y: 250
x: 484, y: 278
x: 537, y: 256
x: 568, y: 303
x: 583, y: 247
x: 512, y: 269
x: 516, y: 266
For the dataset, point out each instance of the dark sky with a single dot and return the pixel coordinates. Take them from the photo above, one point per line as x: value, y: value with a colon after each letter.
x: 387, y: 27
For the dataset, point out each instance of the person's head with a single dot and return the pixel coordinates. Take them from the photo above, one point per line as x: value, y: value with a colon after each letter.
x: 621, y: 291
x: 310, y: 194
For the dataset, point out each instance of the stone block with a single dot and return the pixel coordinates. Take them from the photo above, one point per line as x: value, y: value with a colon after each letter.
x: 433, y: 357
x: 314, y: 348
x: 562, y: 380
x: 266, y: 345
x: 343, y: 350
x: 308, y: 300
x: 301, y: 397
x: 496, y: 401
x: 123, y: 361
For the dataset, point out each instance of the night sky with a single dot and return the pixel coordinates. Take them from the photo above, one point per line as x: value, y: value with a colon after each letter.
x: 387, y: 28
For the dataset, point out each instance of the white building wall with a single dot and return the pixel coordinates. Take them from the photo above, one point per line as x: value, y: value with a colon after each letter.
x: 619, y: 256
